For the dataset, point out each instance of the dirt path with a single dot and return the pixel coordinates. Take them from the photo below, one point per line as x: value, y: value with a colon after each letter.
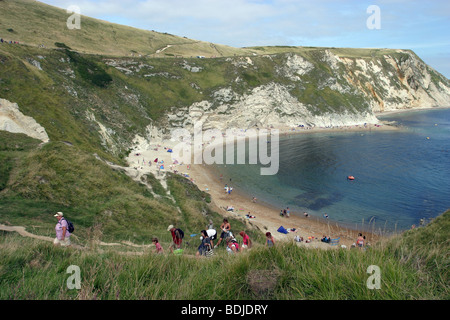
x: 21, y: 230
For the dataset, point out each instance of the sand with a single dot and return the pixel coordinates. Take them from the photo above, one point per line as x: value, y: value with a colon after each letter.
x: 267, y: 218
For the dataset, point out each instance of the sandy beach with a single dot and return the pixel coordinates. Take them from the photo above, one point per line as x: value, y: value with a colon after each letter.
x: 266, y: 217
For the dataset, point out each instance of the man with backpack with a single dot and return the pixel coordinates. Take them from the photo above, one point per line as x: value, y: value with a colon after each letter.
x: 177, y: 237
x: 62, y: 231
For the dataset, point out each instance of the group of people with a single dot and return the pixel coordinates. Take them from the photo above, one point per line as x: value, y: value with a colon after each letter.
x: 228, y: 189
x: 285, y: 212
x: 10, y: 42
x: 207, y: 237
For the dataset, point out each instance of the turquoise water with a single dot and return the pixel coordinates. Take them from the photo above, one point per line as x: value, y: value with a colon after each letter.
x: 400, y: 176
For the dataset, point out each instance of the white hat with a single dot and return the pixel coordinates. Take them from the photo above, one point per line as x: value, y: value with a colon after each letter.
x: 58, y: 214
x: 170, y: 227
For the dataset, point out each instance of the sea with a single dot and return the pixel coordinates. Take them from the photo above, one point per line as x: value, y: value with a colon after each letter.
x: 401, y: 177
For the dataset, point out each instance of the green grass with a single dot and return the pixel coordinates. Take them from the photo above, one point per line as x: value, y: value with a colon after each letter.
x: 38, y: 271
x: 96, y: 36
x: 39, y: 181
x: 106, y: 205
x: 77, y: 93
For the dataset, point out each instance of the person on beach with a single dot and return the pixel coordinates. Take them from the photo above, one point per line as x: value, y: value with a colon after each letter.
x: 225, y: 227
x: 287, y: 212
x: 360, y: 240
x: 281, y: 213
x: 306, y: 214
x: 206, y: 244
x: 176, y: 237
x: 158, y: 248
x: 270, y: 241
x: 62, y: 232
x: 246, y: 242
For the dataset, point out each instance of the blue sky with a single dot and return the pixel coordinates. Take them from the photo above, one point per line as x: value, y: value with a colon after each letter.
x: 423, y: 26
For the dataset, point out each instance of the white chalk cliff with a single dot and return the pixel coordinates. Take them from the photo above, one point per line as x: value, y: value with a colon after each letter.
x: 384, y: 83
x: 12, y: 120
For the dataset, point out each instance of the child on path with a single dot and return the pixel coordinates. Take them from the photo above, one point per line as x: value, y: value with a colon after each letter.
x: 270, y: 241
x: 158, y: 248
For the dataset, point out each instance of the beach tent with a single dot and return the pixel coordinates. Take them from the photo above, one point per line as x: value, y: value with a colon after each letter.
x: 162, y: 167
x: 169, y: 150
x: 282, y: 230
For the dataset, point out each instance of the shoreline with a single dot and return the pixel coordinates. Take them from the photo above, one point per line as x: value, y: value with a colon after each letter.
x: 385, y: 113
x: 141, y: 161
x: 267, y: 216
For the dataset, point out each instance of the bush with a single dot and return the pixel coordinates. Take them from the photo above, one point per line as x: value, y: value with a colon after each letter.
x: 89, y: 70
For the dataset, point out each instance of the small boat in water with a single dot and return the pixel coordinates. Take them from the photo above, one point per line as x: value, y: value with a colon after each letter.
x: 350, y: 178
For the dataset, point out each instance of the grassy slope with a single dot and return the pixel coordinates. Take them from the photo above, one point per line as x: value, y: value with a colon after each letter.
x: 408, y: 271
x: 75, y: 86
x: 37, y: 181
x: 95, y: 36
x: 107, y: 205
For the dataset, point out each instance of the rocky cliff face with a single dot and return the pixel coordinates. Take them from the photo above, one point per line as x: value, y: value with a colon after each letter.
x: 146, y: 98
x: 12, y: 120
x: 367, y: 86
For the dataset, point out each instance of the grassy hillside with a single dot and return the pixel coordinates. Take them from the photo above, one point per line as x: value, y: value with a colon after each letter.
x: 107, y: 205
x: 413, y: 266
x: 95, y: 36
x: 37, y: 181
x: 104, y: 38
x: 100, y: 86
x: 93, y: 90
x: 99, y: 103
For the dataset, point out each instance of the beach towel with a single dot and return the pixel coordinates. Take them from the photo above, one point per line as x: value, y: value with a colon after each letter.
x: 282, y: 230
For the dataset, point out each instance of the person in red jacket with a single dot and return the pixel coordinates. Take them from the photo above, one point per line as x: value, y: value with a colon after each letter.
x: 176, y: 237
